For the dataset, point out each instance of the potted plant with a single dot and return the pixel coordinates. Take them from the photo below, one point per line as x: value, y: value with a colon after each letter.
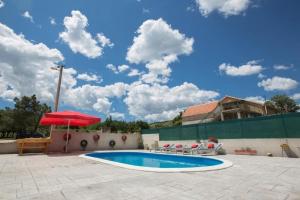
x: 213, y: 139
x: 245, y: 151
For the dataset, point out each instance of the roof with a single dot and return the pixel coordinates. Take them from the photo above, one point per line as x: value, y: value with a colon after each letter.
x: 230, y: 97
x: 245, y: 100
x: 200, y: 109
x: 211, y: 106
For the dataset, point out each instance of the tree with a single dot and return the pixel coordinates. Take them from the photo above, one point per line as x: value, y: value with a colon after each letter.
x: 283, y: 104
x: 6, y: 120
x: 108, y: 121
x: 177, y: 121
x: 123, y: 126
x: 28, y: 112
x: 141, y: 125
x: 25, y: 116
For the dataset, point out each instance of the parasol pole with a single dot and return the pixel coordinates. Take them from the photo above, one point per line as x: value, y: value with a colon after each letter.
x: 67, y: 141
x: 60, y: 69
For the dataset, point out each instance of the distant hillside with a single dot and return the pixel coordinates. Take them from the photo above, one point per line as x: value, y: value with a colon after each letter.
x: 161, y: 124
x: 177, y: 121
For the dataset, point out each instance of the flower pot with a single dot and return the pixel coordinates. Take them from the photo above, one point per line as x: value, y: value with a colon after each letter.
x: 245, y: 152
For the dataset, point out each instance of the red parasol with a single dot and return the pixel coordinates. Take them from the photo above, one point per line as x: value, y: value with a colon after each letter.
x: 68, y: 118
x: 72, y: 115
x: 64, y: 122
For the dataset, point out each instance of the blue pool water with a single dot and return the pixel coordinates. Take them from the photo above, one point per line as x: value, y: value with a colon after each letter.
x: 155, y: 160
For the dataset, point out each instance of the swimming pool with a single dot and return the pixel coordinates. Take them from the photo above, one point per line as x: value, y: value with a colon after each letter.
x: 155, y: 162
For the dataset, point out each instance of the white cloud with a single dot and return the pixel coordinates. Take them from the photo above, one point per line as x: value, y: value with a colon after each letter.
x: 134, y: 72
x: 2, y: 4
x: 92, y: 97
x: 225, y: 7
x: 278, y: 83
x: 250, y: 68
x: 52, y: 21
x: 102, y: 105
x: 112, y: 68
x: 157, y: 45
x: 123, y: 68
x: 258, y: 99
x: 90, y: 77
x: 190, y: 8
x: 157, y: 102
x: 25, y: 67
x: 117, y: 116
x: 9, y: 95
x: 156, y: 39
x: 261, y: 76
x: 25, y: 70
x: 79, y: 40
x: 282, y: 67
x: 159, y: 71
x: 117, y: 69
x: 76, y: 36
x: 104, y: 41
x: 27, y: 15
x: 296, y: 96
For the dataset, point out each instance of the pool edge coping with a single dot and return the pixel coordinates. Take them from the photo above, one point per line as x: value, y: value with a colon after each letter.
x: 224, y: 165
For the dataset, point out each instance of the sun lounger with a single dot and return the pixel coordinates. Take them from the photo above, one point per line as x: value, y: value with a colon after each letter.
x: 170, y: 148
x: 192, y: 148
x: 187, y: 149
x: 158, y: 148
x: 178, y: 148
x: 209, y: 148
x: 165, y: 147
x: 198, y: 147
x: 218, y: 147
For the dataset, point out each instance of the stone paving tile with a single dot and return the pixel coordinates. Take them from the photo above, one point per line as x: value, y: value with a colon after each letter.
x: 294, y: 196
x: 64, y: 177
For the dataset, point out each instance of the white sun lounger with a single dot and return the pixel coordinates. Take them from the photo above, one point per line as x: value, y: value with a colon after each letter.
x: 167, y: 149
x: 203, y: 149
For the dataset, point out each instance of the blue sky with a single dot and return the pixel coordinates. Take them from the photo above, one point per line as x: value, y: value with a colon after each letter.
x: 184, y: 53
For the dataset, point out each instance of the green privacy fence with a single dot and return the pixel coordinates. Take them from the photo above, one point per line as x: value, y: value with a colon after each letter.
x: 275, y: 126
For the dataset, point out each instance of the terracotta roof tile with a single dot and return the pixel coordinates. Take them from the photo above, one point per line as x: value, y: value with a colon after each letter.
x: 200, y: 109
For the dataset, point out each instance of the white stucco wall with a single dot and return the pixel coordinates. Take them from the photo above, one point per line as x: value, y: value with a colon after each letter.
x: 57, y: 142
x: 262, y: 146
x: 191, y: 122
x: 198, y: 121
x: 8, y: 146
x: 149, y: 139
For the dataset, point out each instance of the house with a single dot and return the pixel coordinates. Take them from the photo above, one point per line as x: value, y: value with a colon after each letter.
x: 225, y: 109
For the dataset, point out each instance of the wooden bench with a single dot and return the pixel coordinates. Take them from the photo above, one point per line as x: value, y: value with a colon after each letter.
x: 33, y: 143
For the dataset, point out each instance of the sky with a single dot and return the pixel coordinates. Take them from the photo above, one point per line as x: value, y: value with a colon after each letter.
x: 148, y: 59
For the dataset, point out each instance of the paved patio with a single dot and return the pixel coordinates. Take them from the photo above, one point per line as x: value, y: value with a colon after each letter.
x: 70, y: 177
